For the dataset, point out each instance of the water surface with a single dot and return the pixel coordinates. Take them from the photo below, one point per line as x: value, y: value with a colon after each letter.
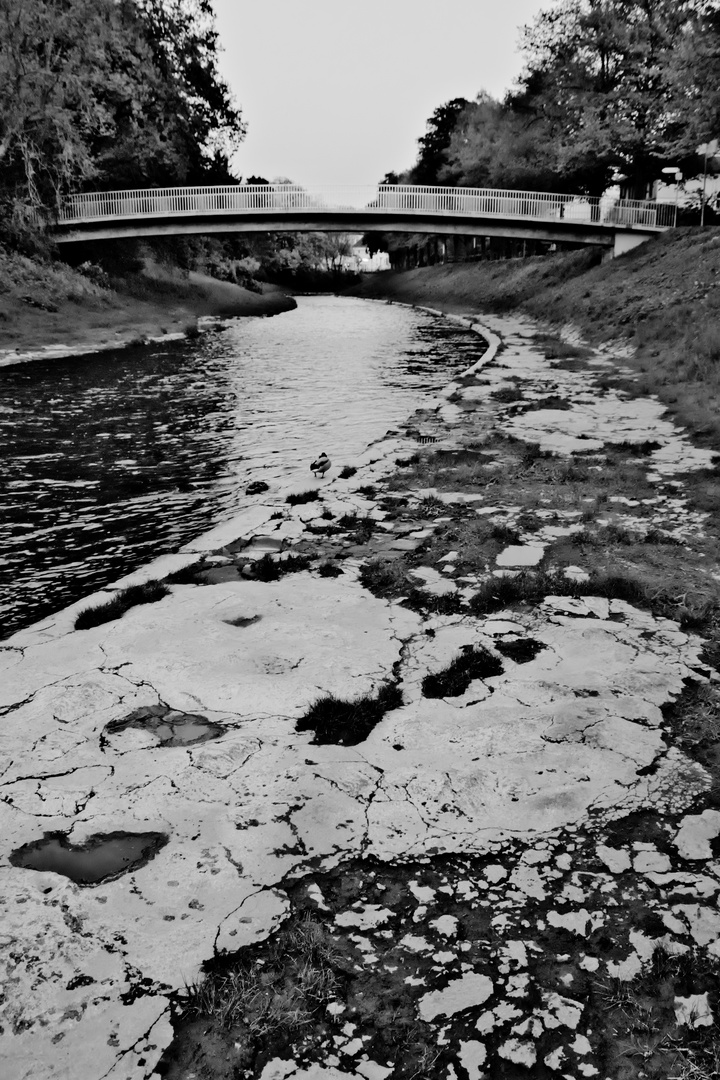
x: 108, y: 461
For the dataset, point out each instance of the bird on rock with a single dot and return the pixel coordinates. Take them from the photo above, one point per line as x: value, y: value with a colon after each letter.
x: 322, y: 464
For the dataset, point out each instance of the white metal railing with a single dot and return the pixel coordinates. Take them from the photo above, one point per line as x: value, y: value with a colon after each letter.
x: 273, y: 199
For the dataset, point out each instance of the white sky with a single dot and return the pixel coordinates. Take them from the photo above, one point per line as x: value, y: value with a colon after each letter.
x: 338, y: 91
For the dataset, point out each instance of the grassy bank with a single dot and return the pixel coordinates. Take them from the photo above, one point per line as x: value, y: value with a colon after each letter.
x: 662, y: 300
x: 45, y: 304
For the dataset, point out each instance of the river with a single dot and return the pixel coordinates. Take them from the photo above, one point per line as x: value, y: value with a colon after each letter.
x: 110, y: 460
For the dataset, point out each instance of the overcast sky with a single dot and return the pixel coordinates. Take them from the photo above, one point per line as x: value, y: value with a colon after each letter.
x: 338, y: 91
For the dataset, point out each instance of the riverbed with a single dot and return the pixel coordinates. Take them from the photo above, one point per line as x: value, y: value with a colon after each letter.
x: 110, y: 460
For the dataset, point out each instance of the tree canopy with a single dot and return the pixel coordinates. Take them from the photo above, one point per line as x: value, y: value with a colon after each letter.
x: 609, y: 87
x: 113, y: 93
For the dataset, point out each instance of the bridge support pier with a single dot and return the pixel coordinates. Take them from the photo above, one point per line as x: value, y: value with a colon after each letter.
x: 625, y: 241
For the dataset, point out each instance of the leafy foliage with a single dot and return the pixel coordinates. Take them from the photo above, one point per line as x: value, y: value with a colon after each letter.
x: 116, y: 93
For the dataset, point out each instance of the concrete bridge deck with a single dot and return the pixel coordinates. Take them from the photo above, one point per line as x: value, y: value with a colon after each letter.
x: 619, y: 224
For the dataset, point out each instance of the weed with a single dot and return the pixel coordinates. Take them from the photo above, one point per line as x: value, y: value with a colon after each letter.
x: 504, y: 534
x: 556, y: 349
x: 383, y: 578
x: 346, y: 472
x: 360, y: 529
x: 148, y: 593
x: 303, y: 497
x: 635, y: 449
x: 506, y: 395
x: 404, y: 463
x: 529, y: 522
x: 522, y: 651
x: 694, y: 720
x: 328, y: 569
x: 285, y: 990
x: 188, y: 575
x: 347, y: 723
x: 474, y: 662
x: 269, y: 569
x: 553, y: 401
x: 369, y: 491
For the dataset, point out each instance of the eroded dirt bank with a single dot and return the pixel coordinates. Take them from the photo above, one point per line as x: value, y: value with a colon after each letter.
x: 48, y: 309
x: 420, y: 759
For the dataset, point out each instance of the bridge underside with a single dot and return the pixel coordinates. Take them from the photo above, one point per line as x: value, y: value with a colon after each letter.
x: 356, y: 221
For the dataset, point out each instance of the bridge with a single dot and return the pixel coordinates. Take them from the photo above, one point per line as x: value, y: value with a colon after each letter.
x: 616, y: 224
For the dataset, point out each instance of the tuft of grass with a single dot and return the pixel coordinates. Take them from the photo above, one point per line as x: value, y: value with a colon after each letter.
x: 346, y: 472
x: 347, y: 723
x: 303, y: 497
x: 636, y: 449
x: 188, y: 575
x: 360, y: 529
x: 529, y: 522
x: 506, y: 395
x: 532, y: 588
x: 148, y: 593
x: 504, y: 534
x: 474, y: 662
x: 405, y: 463
x: 383, y: 578
x: 694, y: 721
x: 269, y: 569
x: 552, y: 401
x: 328, y: 569
x: 522, y: 651
x: 369, y: 491
x: 287, y: 990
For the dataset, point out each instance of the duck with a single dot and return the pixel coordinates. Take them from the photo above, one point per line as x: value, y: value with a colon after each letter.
x: 322, y: 464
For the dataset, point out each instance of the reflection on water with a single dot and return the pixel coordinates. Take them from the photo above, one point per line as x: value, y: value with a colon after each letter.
x: 109, y: 461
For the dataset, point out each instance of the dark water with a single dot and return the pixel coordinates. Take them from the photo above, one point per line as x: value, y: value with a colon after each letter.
x: 107, y: 462
x: 103, y: 857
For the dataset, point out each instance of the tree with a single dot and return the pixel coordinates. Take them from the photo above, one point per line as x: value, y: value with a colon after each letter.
x: 433, y: 144
x: 598, y: 71
x: 52, y: 62
x: 116, y: 93
x: 694, y: 73
x: 497, y: 145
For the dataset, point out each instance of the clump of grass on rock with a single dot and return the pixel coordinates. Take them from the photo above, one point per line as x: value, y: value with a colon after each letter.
x: 147, y: 593
x: 303, y: 497
x: 347, y: 723
x: 474, y: 662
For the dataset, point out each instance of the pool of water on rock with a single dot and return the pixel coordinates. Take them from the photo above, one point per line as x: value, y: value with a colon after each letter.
x: 109, y: 461
x: 100, y: 859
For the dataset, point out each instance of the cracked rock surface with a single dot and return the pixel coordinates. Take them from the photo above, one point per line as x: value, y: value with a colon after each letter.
x: 470, y: 858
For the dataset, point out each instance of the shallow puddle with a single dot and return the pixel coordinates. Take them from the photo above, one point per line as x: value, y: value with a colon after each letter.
x: 102, y: 858
x: 171, y: 727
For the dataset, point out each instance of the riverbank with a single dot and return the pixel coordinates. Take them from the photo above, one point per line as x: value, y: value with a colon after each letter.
x: 658, y: 307
x: 419, y: 763
x: 47, y: 309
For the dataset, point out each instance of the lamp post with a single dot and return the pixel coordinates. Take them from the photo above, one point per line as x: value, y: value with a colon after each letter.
x: 673, y: 169
x: 708, y: 150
